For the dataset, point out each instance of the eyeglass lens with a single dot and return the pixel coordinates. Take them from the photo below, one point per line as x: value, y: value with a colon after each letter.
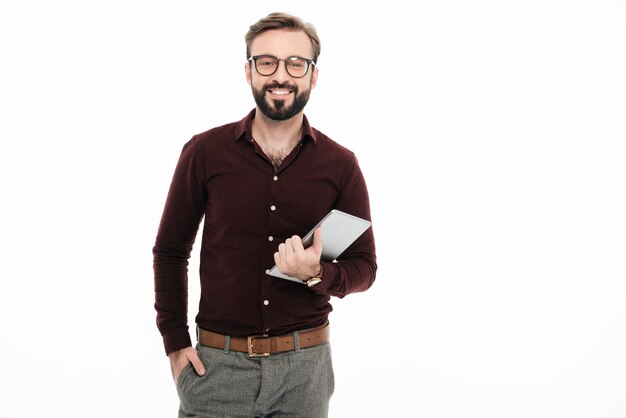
x: 296, y: 66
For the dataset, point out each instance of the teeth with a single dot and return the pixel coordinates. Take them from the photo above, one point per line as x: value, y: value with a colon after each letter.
x: 280, y: 92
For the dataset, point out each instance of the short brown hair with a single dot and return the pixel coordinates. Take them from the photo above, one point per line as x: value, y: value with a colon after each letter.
x: 277, y: 21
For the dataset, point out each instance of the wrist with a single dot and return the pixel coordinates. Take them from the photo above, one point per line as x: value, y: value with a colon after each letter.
x: 316, y: 279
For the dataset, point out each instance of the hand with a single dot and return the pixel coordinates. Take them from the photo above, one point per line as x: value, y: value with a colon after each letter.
x: 294, y: 260
x: 181, y: 358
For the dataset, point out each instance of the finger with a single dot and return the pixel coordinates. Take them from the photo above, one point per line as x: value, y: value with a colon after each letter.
x: 196, y: 362
x: 277, y: 259
x: 176, y: 372
x: 296, y: 243
x: 178, y: 361
x: 176, y: 375
x: 282, y: 252
x: 288, y: 246
x: 317, y: 241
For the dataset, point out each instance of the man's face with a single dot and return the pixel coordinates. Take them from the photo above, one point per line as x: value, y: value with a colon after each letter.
x: 280, y: 96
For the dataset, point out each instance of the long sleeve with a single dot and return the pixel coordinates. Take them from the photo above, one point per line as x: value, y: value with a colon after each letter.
x: 177, y: 232
x: 355, y: 269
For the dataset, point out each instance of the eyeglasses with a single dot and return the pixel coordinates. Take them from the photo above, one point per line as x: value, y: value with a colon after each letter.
x: 296, y: 67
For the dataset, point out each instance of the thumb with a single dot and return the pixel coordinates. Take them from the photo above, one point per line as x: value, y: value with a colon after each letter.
x: 195, y: 361
x: 317, y: 241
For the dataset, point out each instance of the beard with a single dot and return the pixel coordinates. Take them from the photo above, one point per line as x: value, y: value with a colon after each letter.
x: 279, y: 111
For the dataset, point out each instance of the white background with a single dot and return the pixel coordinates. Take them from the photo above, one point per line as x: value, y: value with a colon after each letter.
x: 492, y: 135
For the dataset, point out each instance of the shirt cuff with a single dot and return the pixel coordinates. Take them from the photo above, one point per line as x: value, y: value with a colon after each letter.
x: 176, y: 339
x: 328, y: 277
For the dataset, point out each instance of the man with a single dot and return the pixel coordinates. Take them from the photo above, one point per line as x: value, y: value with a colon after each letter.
x: 260, y: 184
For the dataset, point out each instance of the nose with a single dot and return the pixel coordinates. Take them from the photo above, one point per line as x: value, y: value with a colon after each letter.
x: 281, y: 75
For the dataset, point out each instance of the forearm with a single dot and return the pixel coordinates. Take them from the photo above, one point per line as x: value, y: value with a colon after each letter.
x: 170, y: 291
x: 355, y: 269
x: 177, y: 232
x: 351, y: 275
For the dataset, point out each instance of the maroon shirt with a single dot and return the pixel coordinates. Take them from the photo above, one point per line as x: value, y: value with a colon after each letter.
x: 249, y: 208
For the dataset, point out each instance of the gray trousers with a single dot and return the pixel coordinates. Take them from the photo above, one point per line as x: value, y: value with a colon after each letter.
x: 298, y: 383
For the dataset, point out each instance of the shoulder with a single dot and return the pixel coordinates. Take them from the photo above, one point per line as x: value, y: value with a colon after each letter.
x: 330, y: 146
x: 224, y: 135
x: 202, y: 147
x: 214, y: 136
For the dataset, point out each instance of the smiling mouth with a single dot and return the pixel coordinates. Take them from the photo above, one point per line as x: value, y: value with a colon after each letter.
x: 279, y: 92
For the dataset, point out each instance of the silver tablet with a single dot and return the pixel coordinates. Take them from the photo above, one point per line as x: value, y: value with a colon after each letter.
x: 339, y: 230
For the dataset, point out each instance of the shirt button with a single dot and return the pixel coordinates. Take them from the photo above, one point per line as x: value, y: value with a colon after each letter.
x: 266, y: 302
x: 272, y: 207
x: 275, y: 178
x: 270, y: 238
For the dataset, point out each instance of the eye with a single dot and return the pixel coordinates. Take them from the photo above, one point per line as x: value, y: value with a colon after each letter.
x: 296, y: 63
x: 265, y: 61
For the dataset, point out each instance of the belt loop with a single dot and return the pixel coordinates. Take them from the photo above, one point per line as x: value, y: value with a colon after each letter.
x: 296, y: 341
x: 226, y: 344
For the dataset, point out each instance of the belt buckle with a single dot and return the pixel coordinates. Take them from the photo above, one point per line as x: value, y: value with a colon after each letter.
x: 250, y: 345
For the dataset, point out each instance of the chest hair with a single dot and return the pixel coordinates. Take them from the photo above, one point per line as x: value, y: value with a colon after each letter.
x: 277, y: 155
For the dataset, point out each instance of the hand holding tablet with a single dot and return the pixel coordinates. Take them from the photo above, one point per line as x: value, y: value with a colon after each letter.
x: 339, y: 230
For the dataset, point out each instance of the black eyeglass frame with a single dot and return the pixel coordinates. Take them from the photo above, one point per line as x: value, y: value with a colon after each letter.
x: 309, y: 63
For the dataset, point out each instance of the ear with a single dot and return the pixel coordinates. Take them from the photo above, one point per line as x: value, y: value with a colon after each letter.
x: 314, y: 78
x: 248, y: 72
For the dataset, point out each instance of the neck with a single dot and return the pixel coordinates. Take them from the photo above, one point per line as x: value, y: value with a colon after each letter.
x: 277, y: 133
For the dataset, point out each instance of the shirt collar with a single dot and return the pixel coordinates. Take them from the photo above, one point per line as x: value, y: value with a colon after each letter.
x: 244, y: 128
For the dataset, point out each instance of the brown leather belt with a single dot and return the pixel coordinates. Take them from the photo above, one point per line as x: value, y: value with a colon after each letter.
x: 263, y: 345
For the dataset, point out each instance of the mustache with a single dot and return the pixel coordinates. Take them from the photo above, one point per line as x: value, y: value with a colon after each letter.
x: 284, y: 86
